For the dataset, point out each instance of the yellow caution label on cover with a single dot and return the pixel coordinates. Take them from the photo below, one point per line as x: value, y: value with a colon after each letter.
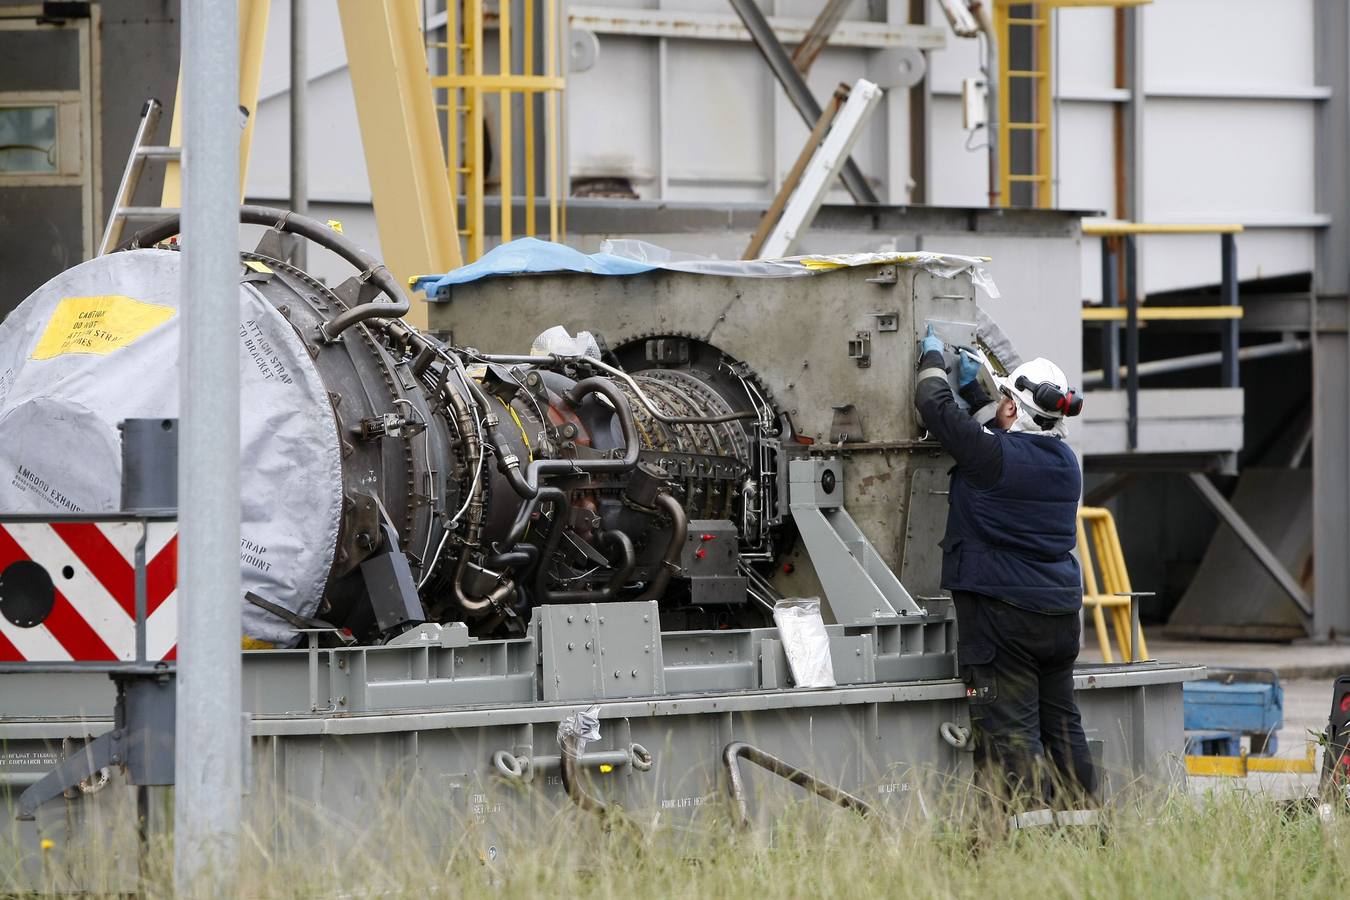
x: 258, y: 267
x: 98, y: 325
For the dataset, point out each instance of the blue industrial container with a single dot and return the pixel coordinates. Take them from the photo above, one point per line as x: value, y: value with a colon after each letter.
x: 1229, y: 704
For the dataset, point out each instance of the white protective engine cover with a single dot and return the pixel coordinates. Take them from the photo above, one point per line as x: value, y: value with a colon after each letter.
x: 99, y: 344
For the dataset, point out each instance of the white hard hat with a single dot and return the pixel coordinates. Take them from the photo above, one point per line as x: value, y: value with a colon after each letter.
x: 1042, y: 393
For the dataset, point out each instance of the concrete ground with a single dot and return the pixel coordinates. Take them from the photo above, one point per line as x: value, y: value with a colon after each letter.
x: 1306, y: 670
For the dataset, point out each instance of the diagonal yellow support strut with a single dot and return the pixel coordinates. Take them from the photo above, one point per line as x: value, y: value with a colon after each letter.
x: 399, y: 132
x: 252, y: 34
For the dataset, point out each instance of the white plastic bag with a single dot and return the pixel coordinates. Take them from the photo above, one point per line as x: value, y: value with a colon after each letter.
x: 556, y: 340
x: 805, y: 641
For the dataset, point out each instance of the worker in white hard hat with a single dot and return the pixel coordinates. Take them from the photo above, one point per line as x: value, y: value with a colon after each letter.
x: 1008, y: 562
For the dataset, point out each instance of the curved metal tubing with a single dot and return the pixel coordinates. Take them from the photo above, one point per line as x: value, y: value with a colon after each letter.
x: 623, y: 569
x: 623, y: 376
x: 371, y: 269
x: 571, y: 779
x: 670, y: 562
x: 738, y: 750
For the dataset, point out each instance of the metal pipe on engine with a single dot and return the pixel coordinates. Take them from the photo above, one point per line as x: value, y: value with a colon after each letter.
x: 622, y: 572
x: 527, y: 484
x: 371, y: 269
x: 670, y: 562
x: 508, y: 359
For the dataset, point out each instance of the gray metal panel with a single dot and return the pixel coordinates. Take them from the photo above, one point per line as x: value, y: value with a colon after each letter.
x: 600, y: 650
x: 925, y: 523
x: 1171, y: 420
x: 42, y: 228
x: 1231, y: 595
x: 45, y: 59
x: 139, y: 53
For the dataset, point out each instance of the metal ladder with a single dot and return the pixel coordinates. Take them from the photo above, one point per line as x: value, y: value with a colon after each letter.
x: 1032, y: 24
x: 131, y: 177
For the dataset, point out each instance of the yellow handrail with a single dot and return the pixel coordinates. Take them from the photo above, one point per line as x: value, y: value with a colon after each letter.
x: 1115, y: 229
x: 1161, y: 313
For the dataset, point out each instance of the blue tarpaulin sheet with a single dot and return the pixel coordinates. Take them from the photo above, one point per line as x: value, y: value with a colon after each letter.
x: 531, y: 255
x: 527, y: 256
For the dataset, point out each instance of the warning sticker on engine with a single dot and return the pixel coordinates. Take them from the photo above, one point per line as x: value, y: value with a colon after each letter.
x: 98, y: 325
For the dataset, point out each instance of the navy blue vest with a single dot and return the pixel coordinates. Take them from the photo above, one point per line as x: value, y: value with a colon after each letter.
x: 1014, y: 541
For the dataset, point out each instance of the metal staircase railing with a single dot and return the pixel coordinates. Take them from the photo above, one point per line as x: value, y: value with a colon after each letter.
x: 1120, y: 269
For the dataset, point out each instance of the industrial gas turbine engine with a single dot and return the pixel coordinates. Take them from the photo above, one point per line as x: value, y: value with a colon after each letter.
x: 390, y: 478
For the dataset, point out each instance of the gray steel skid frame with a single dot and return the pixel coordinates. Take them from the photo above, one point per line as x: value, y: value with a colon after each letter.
x: 332, y: 727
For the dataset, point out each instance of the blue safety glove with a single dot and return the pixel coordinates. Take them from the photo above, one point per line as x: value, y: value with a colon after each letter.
x: 967, y: 367
x: 931, y: 342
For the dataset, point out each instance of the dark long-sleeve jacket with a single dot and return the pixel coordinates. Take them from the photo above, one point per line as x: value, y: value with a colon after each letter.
x: 1012, y: 507
x: 977, y: 450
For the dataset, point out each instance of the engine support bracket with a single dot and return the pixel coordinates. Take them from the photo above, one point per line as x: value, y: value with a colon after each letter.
x: 858, y: 584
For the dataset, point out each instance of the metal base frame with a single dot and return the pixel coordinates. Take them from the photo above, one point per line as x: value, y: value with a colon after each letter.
x: 660, y: 758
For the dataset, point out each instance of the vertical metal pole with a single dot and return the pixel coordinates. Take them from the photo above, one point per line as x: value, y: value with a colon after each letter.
x: 1331, y: 350
x: 1135, y: 654
x: 505, y: 101
x: 991, y: 20
x: 1110, y: 329
x: 209, y: 752
x: 140, y: 591
x: 530, y: 98
x: 1228, y: 296
x: 1131, y: 342
x: 299, y: 124
x: 920, y: 119
x: 553, y: 125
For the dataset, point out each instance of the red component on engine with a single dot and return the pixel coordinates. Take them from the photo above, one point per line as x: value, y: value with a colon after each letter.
x: 700, y: 553
x: 707, y: 537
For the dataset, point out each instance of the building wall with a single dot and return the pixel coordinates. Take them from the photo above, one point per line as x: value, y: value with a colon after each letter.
x: 103, y: 69
x: 1227, y: 135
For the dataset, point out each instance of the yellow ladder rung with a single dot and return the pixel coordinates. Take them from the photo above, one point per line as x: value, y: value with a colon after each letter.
x: 1099, y: 596
x: 1026, y: 73
x: 1027, y: 126
x: 1026, y: 178
x: 1026, y: 21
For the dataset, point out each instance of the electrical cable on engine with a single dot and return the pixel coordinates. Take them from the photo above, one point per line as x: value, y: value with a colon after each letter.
x: 586, y: 574
x: 426, y: 449
x: 534, y: 401
x: 430, y: 565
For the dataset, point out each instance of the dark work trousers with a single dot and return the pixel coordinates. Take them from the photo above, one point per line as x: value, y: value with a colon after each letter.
x: 1018, y: 669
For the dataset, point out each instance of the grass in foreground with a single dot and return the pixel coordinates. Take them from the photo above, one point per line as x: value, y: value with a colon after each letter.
x: 1227, y: 844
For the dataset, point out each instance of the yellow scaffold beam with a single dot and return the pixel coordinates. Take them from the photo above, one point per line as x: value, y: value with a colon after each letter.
x: 252, y: 34
x: 401, y: 138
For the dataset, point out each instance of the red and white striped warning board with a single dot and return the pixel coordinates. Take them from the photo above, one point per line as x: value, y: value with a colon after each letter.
x: 68, y: 590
